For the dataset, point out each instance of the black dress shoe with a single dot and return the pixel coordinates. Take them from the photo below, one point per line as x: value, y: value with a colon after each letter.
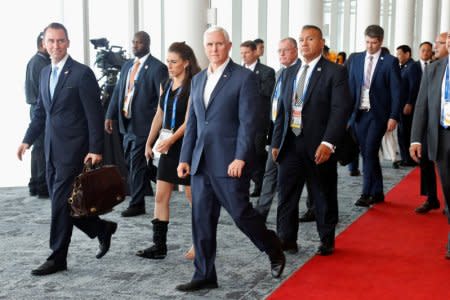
x: 377, y: 198
x: 363, y: 201
x: 289, y: 247
x: 308, y: 216
x: 255, y: 194
x: 355, y: 173
x: 396, y: 164
x: 277, y: 263
x: 196, y: 285
x: 427, y: 206
x: 133, y: 211
x: 49, y: 267
x: 325, y: 249
x: 105, y: 240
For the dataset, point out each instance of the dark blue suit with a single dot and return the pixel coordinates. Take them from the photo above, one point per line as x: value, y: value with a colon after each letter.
x: 135, y: 130
x: 326, y: 110
x: 410, y: 81
x: 371, y: 126
x: 73, y: 124
x: 215, y: 136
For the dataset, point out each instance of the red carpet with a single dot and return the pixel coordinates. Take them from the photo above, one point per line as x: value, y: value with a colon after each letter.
x: 390, y: 252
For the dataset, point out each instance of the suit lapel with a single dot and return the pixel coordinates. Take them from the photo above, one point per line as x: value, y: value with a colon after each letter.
x: 315, y: 76
x: 437, y: 81
x: 202, y: 82
x: 65, y: 72
x: 222, y: 81
x: 378, y: 66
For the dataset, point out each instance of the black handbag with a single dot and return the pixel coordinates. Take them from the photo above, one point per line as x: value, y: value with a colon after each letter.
x: 96, y: 191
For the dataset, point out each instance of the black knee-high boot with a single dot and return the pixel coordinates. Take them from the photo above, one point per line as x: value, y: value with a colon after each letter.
x: 159, y: 248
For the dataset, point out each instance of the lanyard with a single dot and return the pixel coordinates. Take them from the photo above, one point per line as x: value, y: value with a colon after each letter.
x: 174, y: 107
x: 447, y: 84
x: 277, y: 89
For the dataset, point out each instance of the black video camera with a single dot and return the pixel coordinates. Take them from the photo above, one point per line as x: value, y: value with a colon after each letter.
x: 108, y: 59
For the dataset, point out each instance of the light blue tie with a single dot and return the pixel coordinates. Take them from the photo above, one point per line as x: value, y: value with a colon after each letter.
x: 53, y: 80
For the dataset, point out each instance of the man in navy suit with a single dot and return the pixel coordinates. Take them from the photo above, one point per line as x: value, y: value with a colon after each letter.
x: 410, y: 79
x: 374, y: 78
x: 134, y: 103
x: 218, y: 149
x: 314, y: 109
x: 432, y: 120
x: 70, y: 112
x: 266, y: 81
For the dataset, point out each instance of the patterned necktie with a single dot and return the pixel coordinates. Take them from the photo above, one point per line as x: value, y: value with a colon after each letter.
x: 298, y: 100
x: 301, y: 85
x: 368, y: 74
x: 127, y: 101
x: 53, y: 80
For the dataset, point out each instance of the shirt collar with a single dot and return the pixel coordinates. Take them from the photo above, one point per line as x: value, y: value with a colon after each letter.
x: 376, y: 55
x: 220, y: 69
x: 142, y: 59
x: 312, y: 63
x: 252, y: 66
x: 61, y: 63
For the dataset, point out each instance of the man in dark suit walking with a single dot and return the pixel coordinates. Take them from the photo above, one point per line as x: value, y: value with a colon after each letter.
x: 311, y: 121
x: 374, y: 78
x: 37, y: 185
x: 133, y: 104
x: 428, y: 186
x: 266, y: 81
x: 410, y: 78
x: 218, y: 149
x: 70, y: 112
x: 432, y: 119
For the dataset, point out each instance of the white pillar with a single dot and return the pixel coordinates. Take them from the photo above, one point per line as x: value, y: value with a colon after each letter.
x: 429, y: 20
x: 404, y: 23
x: 262, y: 25
x: 304, y: 12
x: 445, y: 16
x: 186, y: 21
x: 367, y: 13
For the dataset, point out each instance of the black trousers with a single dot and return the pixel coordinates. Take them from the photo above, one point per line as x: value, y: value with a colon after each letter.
x: 60, y: 180
x: 295, y: 169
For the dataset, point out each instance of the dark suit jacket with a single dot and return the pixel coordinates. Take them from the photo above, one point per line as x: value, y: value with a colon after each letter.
x: 326, y: 108
x: 384, y: 88
x: 34, y: 68
x: 427, y: 115
x: 225, y: 130
x: 73, y: 119
x: 145, y: 99
x: 266, y: 82
x: 410, y: 78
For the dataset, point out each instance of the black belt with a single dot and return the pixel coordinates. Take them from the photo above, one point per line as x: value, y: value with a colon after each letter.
x: 364, y: 109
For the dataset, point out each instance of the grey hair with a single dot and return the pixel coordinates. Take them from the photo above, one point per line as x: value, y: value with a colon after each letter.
x: 216, y: 29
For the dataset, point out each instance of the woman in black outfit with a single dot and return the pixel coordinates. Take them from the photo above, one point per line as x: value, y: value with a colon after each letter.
x: 169, y: 125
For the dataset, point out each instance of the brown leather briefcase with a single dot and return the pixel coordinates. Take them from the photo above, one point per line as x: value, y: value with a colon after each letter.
x: 96, y: 191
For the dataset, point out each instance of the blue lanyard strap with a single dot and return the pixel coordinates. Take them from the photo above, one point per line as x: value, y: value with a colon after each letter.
x: 174, y: 107
x: 447, y: 84
x: 278, y: 88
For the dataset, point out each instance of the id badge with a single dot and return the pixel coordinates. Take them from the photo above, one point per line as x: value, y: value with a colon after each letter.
x: 296, y: 116
x: 164, y: 134
x: 447, y: 114
x: 274, y: 109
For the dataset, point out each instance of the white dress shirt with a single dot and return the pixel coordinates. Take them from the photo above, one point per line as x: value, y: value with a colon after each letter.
x: 212, y: 80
